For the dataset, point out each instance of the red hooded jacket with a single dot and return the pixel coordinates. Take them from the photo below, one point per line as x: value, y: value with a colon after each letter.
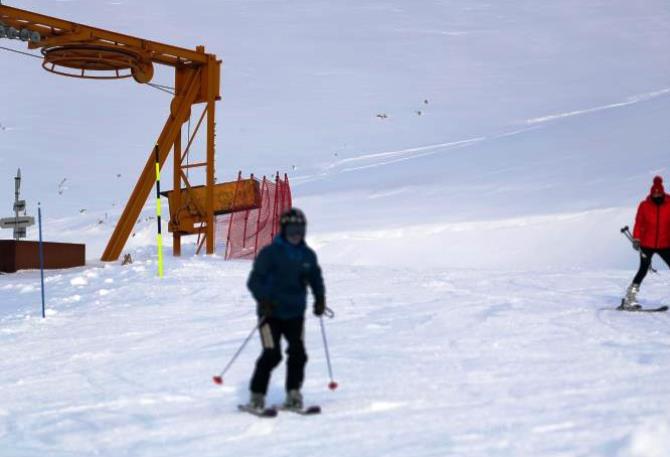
x: 652, y: 224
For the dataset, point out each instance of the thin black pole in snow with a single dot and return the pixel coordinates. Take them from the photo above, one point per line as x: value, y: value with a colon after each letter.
x: 332, y: 385
x: 626, y: 231
x: 218, y: 379
x: 41, y: 251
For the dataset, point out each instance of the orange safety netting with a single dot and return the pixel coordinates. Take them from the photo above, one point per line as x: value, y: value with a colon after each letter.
x: 245, y: 233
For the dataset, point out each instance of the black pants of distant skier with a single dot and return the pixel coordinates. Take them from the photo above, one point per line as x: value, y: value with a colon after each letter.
x: 271, y: 332
x: 645, y: 262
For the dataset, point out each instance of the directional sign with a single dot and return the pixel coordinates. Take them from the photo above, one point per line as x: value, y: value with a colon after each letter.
x: 20, y: 222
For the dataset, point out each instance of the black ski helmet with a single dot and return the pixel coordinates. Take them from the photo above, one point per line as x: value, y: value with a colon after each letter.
x: 293, y: 216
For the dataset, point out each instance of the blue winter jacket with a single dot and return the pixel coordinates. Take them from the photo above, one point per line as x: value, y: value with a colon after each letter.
x: 281, y: 273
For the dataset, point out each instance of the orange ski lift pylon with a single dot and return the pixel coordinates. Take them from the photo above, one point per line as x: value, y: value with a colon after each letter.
x: 81, y: 51
x: 229, y: 197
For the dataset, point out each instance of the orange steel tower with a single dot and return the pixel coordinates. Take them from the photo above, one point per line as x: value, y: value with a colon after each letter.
x: 82, y: 51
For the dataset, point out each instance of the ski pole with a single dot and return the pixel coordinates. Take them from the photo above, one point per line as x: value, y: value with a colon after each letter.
x: 218, y: 379
x: 626, y: 231
x: 332, y: 385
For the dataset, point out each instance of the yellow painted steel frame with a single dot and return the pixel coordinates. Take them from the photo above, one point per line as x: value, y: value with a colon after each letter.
x: 197, y: 76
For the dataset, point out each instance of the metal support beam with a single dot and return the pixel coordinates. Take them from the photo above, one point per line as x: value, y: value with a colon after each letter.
x: 212, y: 77
x: 52, y: 29
x: 197, y: 81
x: 176, y: 179
x: 145, y: 182
x: 195, y: 132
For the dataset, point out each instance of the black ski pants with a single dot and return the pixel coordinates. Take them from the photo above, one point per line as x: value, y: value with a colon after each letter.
x: 271, y: 332
x: 645, y: 262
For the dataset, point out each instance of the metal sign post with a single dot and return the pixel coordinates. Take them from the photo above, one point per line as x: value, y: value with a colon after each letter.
x: 17, y: 189
x: 18, y: 223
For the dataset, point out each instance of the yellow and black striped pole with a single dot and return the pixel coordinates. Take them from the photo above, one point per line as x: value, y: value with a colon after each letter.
x: 159, y: 236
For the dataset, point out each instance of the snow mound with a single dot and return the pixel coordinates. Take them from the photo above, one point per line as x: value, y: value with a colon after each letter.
x: 651, y: 439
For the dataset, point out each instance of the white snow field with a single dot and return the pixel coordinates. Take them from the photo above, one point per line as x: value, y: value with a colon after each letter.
x: 535, y: 109
x: 430, y: 363
x: 469, y: 233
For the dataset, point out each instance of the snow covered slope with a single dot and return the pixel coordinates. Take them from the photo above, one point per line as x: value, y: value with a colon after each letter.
x: 527, y: 109
x: 469, y: 234
x: 440, y: 363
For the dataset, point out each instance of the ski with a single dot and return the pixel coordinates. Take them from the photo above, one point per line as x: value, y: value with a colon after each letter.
x: 660, y: 309
x: 307, y: 411
x: 267, y: 412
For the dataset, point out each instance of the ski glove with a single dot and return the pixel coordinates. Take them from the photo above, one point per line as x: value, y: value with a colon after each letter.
x: 319, y: 306
x: 636, y: 244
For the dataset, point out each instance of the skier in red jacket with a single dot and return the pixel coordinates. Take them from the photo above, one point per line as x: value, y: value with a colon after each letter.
x: 651, y: 235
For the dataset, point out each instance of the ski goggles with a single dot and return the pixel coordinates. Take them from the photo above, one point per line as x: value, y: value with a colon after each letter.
x: 292, y: 230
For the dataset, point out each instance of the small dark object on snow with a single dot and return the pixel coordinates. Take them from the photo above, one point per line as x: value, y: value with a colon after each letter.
x: 425, y: 102
x: 382, y: 116
x: 127, y: 260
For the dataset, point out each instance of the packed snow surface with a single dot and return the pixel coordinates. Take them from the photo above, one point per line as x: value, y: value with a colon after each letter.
x: 387, y: 114
x: 465, y: 166
x: 430, y: 363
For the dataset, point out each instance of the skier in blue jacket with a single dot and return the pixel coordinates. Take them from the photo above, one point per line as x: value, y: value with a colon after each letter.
x: 278, y: 281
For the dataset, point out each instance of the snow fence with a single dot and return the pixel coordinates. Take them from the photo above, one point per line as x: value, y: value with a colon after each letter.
x: 245, y: 233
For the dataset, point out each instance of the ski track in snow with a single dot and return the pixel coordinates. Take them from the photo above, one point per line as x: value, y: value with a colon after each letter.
x: 430, y: 362
x: 630, y: 101
x: 379, y: 159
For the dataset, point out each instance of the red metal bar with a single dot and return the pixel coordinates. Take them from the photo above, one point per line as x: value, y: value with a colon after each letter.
x: 275, y: 218
x: 232, y: 215
x: 260, y: 211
